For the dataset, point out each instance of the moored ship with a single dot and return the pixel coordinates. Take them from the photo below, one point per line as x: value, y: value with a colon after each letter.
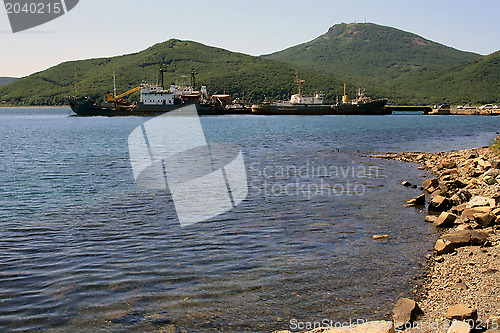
x: 313, y: 105
x: 154, y: 100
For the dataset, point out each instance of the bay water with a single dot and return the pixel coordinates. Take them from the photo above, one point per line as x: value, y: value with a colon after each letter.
x: 84, y: 249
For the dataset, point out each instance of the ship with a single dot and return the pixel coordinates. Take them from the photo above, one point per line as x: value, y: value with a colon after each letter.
x: 154, y: 101
x: 313, y: 105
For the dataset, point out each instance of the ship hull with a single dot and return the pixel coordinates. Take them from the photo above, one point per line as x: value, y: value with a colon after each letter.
x: 87, y: 108
x: 369, y: 108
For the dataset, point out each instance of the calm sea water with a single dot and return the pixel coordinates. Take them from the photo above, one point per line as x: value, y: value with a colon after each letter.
x: 84, y: 249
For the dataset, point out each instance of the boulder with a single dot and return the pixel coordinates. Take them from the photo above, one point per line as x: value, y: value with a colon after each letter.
x: 431, y: 185
x: 471, y: 155
x: 495, y: 164
x: 449, y: 164
x: 484, y: 219
x: 489, y: 180
x: 466, y: 237
x: 406, y: 183
x: 493, y: 172
x: 483, y: 163
x: 461, y: 312
x: 439, y: 204
x: 443, y: 247
x: 405, y: 311
x: 445, y: 220
x: 480, y: 201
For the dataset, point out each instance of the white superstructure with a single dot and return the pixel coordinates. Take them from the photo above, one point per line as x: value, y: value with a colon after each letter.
x: 156, y: 95
x: 317, y: 99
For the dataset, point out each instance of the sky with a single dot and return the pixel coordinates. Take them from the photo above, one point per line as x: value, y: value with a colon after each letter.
x: 105, y: 28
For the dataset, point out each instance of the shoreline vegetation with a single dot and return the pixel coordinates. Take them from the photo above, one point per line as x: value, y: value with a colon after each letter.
x: 460, y: 291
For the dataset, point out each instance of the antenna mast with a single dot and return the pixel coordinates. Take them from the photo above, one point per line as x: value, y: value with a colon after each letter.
x: 76, y: 87
x: 114, y: 84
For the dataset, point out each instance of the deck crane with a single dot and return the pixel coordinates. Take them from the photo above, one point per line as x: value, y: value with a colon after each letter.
x: 111, y: 98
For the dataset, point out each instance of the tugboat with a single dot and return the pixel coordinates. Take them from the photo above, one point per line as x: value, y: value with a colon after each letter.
x: 155, y: 100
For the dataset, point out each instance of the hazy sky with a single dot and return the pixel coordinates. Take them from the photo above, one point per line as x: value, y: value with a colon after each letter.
x: 103, y: 28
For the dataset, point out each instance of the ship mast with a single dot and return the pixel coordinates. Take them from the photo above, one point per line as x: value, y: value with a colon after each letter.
x: 193, y: 79
x: 114, y: 84
x: 299, y: 83
x: 76, y: 87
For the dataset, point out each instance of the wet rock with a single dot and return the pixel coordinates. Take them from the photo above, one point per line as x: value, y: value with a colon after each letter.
x: 431, y: 185
x: 418, y: 201
x: 445, y: 220
x: 380, y: 237
x: 430, y: 218
x: 405, y: 311
x: 461, y: 312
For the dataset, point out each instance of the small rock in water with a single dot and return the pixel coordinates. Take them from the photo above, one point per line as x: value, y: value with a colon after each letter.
x: 380, y: 237
x: 418, y: 201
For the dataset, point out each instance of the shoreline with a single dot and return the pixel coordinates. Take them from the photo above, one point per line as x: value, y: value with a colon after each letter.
x: 462, y: 278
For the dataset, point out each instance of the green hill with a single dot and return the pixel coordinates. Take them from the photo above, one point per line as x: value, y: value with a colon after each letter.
x: 221, y: 70
x: 477, y: 82
x: 399, y: 62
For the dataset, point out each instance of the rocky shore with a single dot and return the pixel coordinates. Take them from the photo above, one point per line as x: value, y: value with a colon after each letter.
x: 461, y: 289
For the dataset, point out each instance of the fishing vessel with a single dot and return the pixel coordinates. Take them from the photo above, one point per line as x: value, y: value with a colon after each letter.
x: 154, y: 100
x: 313, y: 105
